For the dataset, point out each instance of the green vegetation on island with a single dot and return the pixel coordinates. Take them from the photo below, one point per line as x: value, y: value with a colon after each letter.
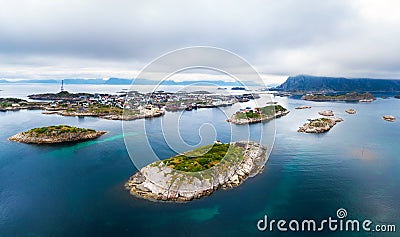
x: 353, y: 96
x: 260, y: 112
x: 256, y: 115
x: 203, y: 158
x: 319, y: 125
x: 56, y: 134
x: 55, y: 130
x: 58, y: 96
x: 97, y: 109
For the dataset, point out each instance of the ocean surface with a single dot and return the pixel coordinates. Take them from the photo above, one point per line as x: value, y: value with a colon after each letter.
x: 78, y: 189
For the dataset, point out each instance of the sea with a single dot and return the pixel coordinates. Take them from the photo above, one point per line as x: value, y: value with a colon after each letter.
x: 77, y: 189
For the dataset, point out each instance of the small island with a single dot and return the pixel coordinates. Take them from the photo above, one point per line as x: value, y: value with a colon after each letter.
x: 319, y: 125
x: 257, y: 115
x: 349, y: 97
x: 326, y: 113
x: 397, y: 96
x: 199, y: 172
x: 389, y: 118
x: 56, y: 134
x: 350, y: 111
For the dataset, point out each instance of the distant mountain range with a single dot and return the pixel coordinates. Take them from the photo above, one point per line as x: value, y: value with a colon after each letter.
x: 139, y: 81
x: 306, y: 83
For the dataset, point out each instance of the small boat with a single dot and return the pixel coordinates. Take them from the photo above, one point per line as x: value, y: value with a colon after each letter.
x: 189, y: 108
x: 238, y: 88
x: 366, y: 100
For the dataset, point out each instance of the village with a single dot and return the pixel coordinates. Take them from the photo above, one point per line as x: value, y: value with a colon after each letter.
x: 123, y: 105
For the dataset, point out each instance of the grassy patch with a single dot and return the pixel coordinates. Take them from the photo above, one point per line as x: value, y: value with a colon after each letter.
x: 269, y: 110
x: 203, y: 158
x: 56, y: 130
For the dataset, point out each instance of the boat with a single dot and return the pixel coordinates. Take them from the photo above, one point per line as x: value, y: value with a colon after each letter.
x: 366, y: 100
x: 236, y: 88
x: 189, y: 108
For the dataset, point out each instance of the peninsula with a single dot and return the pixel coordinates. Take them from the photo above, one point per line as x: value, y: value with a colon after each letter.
x: 199, y: 172
x: 56, y: 134
x: 258, y: 115
x: 319, y: 125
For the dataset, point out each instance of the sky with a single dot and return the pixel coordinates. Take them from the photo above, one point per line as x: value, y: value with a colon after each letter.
x: 99, y: 39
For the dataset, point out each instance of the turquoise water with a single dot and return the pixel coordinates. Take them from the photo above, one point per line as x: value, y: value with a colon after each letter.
x: 77, y: 189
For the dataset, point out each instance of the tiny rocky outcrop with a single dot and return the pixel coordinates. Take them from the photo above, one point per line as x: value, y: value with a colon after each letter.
x: 326, y: 113
x: 389, y: 118
x: 168, y: 180
x: 319, y: 125
x: 56, y: 134
x: 350, y: 111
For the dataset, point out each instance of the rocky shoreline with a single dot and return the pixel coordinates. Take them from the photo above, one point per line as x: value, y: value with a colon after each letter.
x: 104, y: 116
x: 158, y: 182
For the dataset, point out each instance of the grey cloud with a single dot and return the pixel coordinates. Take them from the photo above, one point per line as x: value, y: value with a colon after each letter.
x: 281, y: 37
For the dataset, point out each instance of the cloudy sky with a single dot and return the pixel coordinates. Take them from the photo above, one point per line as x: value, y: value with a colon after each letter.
x: 101, y: 39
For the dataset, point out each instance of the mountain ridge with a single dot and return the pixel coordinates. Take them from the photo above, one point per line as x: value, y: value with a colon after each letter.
x: 318, y: 83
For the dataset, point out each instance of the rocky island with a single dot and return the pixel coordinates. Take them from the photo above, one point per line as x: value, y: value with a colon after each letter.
x: 350, y: 111
x: 56, y: 134
x: 326, y: 113
x: 319, y: 125
x: 397, y: 96
x: 258, y: 115
x: 199, y: 172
